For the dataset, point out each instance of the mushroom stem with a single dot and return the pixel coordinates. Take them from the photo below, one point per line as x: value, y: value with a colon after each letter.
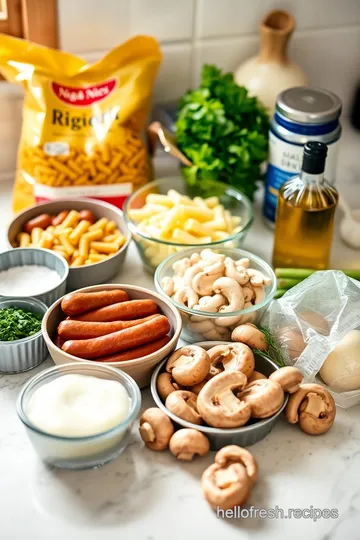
x: 147, y: 433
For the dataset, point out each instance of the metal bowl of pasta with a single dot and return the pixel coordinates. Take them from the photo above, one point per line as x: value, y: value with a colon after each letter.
x: 91, y: 235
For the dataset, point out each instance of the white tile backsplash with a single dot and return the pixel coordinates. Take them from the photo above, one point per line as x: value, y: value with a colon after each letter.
x: 168, y: 21
x: 220, y: 18
x: 174, y: 76
x: 92, y: 25
x: 326, y: 44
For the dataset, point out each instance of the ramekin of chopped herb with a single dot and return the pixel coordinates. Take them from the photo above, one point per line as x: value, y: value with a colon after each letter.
x: 22, y: 345
x: 17, y: 323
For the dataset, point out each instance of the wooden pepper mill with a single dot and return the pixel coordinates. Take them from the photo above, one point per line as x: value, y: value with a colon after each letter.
x: 271, y: 71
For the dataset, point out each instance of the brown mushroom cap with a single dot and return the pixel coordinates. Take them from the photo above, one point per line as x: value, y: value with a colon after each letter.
x: 232, y: 357
x: 165, y: 384
x: 251, y: 336
x: 218, y: 404
x: 183, y: 404
x: 256, y: 376
x: 156, y: 429
x: 288, y: 377
x: 264, y: 397
x: 189, y: 365
x: 313, y: 407
x: 233, y: 453
x: 187, y: 442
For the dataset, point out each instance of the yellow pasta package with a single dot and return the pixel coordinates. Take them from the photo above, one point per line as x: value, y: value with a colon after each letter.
x: 82, y: 124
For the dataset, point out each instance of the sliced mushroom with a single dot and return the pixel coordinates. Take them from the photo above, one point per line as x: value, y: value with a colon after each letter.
x: 202, y: 326
x: 156, y: 429
x: 264, y: 397
x: 203, y: 281
x: 183, y: 404
x: 165, y: 384
x: 199, y: 386
x: 190, y: 273
x: 227, y: 483
x: 186, y: 443
x: 189, y: 365
x: 210, y: 255
x: 186, y: 297
x: 313, y: 407
x: 288, y: 377
x: 256, y: 376
x: 210, y: 303
x: 167, y: 284
x: 252, y: 336
x: 249, y: 295
x: 232, y: 357
x: 233, y: 293
x: 180, y: 267
x: 218, y: 404
x: 245, y: 262
x: 236, y: 454
x: 238, y: 273
x: 259, y: 293
x: 217, y: 333
x: 257, y: 278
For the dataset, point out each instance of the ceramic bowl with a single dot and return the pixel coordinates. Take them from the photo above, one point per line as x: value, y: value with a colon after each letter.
x: 139, y: 369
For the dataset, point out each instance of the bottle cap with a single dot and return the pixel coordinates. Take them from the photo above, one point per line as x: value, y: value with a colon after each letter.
x: 308, y: 105
x: 314, y: 157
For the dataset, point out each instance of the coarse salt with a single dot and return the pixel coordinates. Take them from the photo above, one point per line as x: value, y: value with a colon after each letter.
x: 28, y: 280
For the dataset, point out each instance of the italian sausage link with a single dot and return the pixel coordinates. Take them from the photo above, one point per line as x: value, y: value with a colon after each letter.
x: 138, y: 352
x: 43, y: 221
x: 70, y: 329
x: 78, y: 302
x: 120, y: 340
x: 134, y: 309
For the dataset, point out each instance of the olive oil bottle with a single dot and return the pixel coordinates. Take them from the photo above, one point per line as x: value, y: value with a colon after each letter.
x: 305, y: 214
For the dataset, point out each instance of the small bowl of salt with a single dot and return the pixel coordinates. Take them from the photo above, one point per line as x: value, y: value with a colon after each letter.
x: 33, y: 272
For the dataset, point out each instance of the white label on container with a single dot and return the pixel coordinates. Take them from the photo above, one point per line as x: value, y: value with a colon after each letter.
x: 56, y: 148
x: 288, y: 157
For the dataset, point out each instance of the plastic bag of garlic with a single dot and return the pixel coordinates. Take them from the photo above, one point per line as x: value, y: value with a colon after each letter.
x: 317, y: 324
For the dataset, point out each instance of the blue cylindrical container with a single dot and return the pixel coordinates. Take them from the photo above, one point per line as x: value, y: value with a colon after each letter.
x: 302, y: 114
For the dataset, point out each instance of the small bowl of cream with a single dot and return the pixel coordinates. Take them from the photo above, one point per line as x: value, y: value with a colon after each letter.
x: 79, y: 416
x: 33, y: 272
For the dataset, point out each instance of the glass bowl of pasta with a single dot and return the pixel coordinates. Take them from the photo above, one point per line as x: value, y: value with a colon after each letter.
x: 168, y: 215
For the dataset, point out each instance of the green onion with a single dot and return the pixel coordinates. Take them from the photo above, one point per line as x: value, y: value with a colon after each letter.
x: 283, y: 283
x: 280, y: 292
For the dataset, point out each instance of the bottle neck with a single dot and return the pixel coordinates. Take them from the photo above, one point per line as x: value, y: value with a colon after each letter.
x: 308, y: 178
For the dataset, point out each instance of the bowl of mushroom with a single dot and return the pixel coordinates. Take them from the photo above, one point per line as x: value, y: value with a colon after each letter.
x: 223, y: 390
x: 216, y: 290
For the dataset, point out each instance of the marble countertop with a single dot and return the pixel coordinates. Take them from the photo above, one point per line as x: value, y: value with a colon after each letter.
x: 145, y: 495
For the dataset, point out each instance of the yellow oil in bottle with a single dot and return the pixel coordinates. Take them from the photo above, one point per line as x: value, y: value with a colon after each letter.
x: 305, y: 215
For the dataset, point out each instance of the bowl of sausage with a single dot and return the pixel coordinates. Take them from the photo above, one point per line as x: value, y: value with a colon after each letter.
x: 122, y: 326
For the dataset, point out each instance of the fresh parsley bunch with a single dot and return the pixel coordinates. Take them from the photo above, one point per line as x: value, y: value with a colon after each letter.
x: 223, y: 132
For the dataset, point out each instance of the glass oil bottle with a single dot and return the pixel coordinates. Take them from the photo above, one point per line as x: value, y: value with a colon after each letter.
x: 305, y: 214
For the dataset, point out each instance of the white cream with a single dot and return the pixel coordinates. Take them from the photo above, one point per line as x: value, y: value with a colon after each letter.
x: 78, y: 406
